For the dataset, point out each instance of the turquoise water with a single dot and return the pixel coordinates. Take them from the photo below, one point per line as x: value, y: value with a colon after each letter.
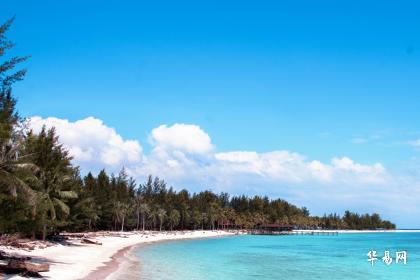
x: 281, y: 257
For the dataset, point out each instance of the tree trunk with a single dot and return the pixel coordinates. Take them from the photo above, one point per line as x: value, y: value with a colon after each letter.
x: 44, y: 232
x: 138, y: 220
x: 33, y: 222
x: 122, y: 224
x: 143, y: 222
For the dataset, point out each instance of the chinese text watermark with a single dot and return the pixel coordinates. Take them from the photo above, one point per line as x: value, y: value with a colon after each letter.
x: 400, y: 257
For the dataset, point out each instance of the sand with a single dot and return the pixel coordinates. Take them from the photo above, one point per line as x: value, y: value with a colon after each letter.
x: 89, y: 261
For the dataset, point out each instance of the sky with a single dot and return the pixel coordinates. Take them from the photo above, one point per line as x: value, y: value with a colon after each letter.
x: 312, y: 101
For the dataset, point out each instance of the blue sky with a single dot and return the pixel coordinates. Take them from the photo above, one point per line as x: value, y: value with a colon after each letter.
x: 325, y: 79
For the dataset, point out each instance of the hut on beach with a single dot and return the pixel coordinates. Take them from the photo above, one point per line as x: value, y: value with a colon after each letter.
x: 272, y: 229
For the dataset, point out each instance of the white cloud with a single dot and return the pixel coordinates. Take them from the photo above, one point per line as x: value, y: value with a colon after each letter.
x: 183, y: 137
x: 321, y: 171
x: 292, y: 167
x: 92, y: 143
x: 277, y: 165
x: 374, y: 173
x: 184, y: 150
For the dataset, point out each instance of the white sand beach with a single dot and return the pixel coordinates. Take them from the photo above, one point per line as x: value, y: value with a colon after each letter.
x: 78, y: 260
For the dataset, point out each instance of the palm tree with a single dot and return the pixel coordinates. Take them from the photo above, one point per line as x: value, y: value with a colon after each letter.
x: 121, y: 211
x: 161, y: 213
x: 153, y: 218
x: 144, y: 210
x: 137, y: 202
x: 203, y: 220
x: 213, y: 213
x: 14, y: 168
x: 196, y: 218
x: 14, y: 173
x: 174, y: 218
x: 86, y: 210
x: 51, y: 197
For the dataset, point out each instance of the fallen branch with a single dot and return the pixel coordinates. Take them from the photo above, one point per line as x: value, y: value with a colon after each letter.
x: 88, y: 241
x: 20, y: 266
x: 6, y: 256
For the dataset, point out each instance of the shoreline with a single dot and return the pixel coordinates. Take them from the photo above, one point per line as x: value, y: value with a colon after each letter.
x: 120, y: 261
x: 115, y: 257
x: 77, y: 260
x: 124, y: 258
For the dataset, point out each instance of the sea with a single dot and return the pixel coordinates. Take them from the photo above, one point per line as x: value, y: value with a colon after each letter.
x: 307, y: 257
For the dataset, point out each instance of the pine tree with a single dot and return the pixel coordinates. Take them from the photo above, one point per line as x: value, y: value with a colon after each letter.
x: 10, y: 135
x: 8, y: 75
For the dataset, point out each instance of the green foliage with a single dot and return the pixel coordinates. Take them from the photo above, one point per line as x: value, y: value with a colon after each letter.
x: 55, y: 182
x: 8, y: 75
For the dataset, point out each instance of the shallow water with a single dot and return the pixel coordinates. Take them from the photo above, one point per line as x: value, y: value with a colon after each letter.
x: 281, y: 257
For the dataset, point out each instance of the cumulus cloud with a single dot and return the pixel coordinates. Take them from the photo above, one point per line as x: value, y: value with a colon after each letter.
x: 184, y: 150
x: 91, y: 142
x: 277, y: 165
x: 374, y: 173
x: 292, y: 167
x: 183, y: 137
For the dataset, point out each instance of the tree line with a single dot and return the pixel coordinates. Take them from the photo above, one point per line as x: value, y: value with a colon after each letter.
x: 42, y: 193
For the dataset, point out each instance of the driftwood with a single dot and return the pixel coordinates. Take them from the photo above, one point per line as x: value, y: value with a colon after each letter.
x: 26, y: 266
x: 59, y: 238
x: 5, y: 256
x: 89, y: 241
x: 21, y: 266
x: 21, y: 245
x: 72, y: 235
